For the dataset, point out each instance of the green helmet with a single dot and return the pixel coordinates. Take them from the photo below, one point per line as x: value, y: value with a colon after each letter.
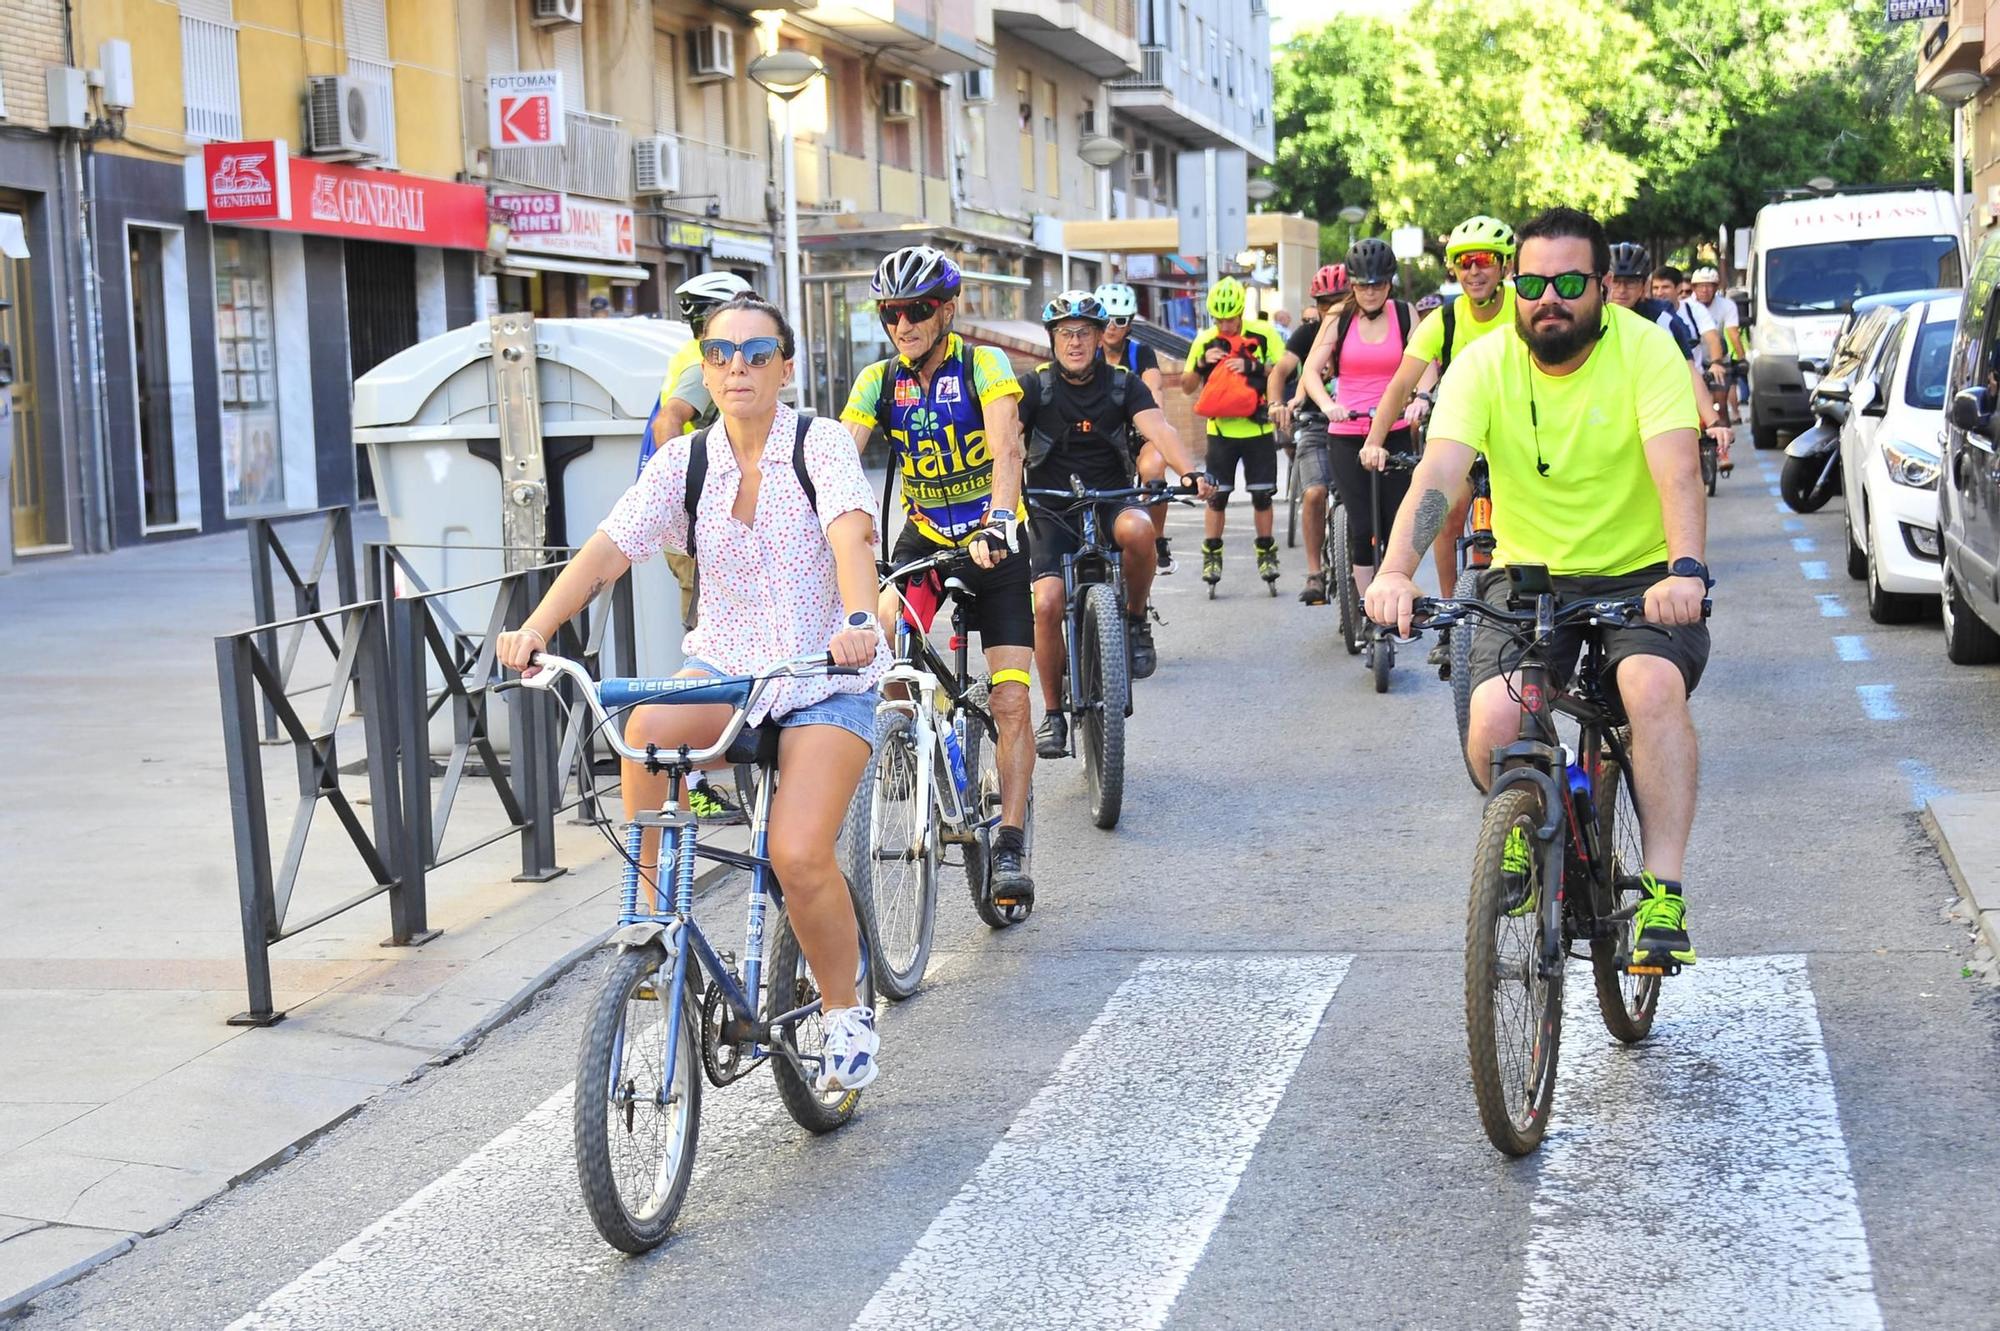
x: 1480, y: 233
x: 1225, y: 299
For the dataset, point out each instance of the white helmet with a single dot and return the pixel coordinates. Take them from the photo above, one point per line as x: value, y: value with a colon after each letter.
x: 1119, y: 300
x: 1705, y: 275
x: 698, y: 295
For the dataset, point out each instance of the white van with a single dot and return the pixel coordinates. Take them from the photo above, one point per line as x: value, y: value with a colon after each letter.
x: 1810, y: 259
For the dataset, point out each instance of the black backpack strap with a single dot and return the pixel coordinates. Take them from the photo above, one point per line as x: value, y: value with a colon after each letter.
x: 1340, y: 328
x: 1444, y: 358
x: 799, y: 468
x: 1403, y: 317
x: 697, y: 477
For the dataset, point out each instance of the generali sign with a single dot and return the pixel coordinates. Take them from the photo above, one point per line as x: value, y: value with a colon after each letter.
x: 260, y: 185
x: 573, y: 228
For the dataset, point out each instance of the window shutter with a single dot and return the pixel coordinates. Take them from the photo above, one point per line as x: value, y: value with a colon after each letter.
x: 666, y: 111
x: 569, y: 59
x: 210, y: 91
x: 367, y: 29
x: 502, y: 54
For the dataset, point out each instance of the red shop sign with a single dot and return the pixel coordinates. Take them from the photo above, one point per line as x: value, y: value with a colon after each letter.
x: 259, y: 184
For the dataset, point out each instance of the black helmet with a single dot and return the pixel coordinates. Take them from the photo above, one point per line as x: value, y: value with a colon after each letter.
x: 916, y: 270
x: 1630, y: 260
x: 1371, y: 260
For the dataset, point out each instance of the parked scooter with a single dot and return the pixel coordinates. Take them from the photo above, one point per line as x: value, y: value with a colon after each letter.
x: 1811, y: 474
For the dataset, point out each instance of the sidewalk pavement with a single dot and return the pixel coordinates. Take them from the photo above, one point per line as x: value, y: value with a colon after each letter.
x: 126, y: 1099
x: 1967, y: 831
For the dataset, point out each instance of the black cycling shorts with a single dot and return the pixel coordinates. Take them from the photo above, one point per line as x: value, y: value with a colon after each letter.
x: 1492, y: 648
x: 1051, y: 537
x: 1003, y: 614
x: 1258, y: 454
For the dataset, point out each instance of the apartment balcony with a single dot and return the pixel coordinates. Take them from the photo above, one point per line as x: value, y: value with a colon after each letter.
x: 1177, y: 104
x: 846, y: 185
x: 1099, y: 37
x: 942, y: 36
x: 1952, y: 43
x: 738, y: 181
x: 595, y: 162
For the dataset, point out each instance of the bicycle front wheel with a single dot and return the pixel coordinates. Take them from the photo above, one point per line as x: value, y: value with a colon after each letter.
x: 1103, y: 691
x: 1513, y: 1013
x: 634, y: 1143
x: 1467, y: 589
x: 1339, y: 563
x: 1627, y: 1002
x: 901, y: 858
x: 1294, y: 498
x: 1709, y: 465
x: 790, y: 987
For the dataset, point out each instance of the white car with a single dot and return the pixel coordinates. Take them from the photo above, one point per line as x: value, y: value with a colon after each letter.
x: 1889, y: 462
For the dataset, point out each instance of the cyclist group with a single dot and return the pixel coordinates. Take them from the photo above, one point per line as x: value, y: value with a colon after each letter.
x: 1586, y: 420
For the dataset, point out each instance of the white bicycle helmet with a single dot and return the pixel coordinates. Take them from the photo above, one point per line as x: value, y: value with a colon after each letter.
x: 1706, y: 275
x: 700, y: 294
x: 1119, y: 300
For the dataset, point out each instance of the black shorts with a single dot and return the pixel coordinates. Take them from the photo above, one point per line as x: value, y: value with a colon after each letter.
x: 1051, y: 538
x: 1003, y: 615
x: 1686, y: 646
x: 1258, y: 454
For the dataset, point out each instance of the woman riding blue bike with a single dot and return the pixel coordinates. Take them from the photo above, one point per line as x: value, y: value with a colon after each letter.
x: 786, y: 572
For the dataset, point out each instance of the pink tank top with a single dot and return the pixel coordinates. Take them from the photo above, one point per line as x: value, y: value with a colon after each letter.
x: 1365, y: 371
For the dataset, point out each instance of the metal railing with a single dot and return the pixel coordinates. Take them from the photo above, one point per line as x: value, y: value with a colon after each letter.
x: 209, y: 89
x: 736, y: 179
x: 596, y: 160
x: 1152, y: 70
x: 270, y: 555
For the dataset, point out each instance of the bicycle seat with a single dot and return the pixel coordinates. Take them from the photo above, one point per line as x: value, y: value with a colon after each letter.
x: 756, y: 744
x: 955, y: 585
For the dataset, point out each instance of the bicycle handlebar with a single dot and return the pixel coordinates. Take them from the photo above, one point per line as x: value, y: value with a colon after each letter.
x: 1077, y: 496
x: 1441, y: 612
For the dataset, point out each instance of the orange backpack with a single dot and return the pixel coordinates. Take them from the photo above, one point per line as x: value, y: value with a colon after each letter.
x: 1229, y: 394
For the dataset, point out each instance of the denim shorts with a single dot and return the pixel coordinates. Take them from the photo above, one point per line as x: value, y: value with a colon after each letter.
x: 852, y: 712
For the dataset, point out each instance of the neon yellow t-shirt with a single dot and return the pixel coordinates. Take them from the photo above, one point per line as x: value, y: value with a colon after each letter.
x: 1596, y: 510
x: 1427, y: 341
x: 1241, y: 427
x: 687, y: 358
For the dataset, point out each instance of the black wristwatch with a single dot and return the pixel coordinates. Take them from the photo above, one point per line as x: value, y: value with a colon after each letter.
x: 1686, y: 567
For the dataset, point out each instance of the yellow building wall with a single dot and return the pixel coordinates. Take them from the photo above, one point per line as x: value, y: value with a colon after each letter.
x: 156, y: 122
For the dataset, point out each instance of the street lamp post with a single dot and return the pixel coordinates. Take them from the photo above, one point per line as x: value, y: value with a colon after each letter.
x: 785, y: 74
x: 1352, y: 214
x: 1954, y: 90
x: 1098, y: 151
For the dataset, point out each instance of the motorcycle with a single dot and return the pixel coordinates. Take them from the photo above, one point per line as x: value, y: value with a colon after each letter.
x: 1811, y: 474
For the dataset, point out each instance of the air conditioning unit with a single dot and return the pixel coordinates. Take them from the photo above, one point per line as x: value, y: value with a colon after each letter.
x: 345, y: 118
x: 656, y: 164
x: 978, y: 85
x: 554, y: 13
x: 899, y: 99
x: 712, y: 52
x: 1141, y: 164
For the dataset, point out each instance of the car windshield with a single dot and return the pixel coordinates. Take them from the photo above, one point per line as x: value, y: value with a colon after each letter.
x: 1828, y: 279
x: 1929, y: 359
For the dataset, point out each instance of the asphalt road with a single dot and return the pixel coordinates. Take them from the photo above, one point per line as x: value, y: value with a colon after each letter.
x: 1219, y: 1079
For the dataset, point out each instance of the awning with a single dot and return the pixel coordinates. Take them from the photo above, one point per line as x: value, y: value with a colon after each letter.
x: 13, y: 243
x: 742, y: 251
x: 526, y: 265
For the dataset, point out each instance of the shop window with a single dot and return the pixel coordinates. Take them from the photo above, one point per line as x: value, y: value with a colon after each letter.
x: 253, y: 467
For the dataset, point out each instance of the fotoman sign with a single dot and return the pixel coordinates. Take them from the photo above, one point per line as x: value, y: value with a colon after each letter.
x: 260, y: 185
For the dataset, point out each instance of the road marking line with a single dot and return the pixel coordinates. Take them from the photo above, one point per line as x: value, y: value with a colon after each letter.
x: 1852, y: 647
x: 1923, y: 783
x: 1776, y: 492
x: 1830, y: 606
x: 1805, y: 545
x: 1794, y: 524
x: 1814, y: 569
x: 1782, y: 507
x: 1700, y: 1179
x: 1878, y: 701
x: 1082, y: 1217
x: 510, y: 1212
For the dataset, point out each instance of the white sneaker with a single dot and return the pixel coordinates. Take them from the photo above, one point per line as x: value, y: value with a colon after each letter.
x: 851, y: 1045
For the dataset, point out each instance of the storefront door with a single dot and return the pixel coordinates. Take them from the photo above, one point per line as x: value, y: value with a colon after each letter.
x: 162, y: 379
x: 381, y: 317
x: 39, y: 491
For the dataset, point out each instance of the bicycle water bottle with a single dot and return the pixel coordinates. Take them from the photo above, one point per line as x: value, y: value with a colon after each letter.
x: 1580, y: 794
x: 956, y: 753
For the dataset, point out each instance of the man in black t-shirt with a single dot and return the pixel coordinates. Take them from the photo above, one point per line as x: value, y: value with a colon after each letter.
x: 1084, y: 418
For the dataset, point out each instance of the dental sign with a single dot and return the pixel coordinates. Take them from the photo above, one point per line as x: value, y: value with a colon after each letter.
x: 1902, y: 11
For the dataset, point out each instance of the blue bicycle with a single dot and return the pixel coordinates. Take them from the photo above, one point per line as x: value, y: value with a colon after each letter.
x: 671, y: 1008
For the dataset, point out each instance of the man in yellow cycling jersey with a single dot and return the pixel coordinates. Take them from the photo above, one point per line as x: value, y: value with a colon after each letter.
x: 1586, y: 420
x: 1254, y: 345
x: 952, y: 414
x: 1478, y: 252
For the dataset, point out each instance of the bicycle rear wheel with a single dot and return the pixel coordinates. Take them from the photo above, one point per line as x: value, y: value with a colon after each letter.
x: 635, y: 1154
x: 1461, y: 667
x: 1339, y: 562
x: 983, y: 766
x: 1513, y: 1013
x: 1104, y: 690
x: 791, y: 986
x: 902, y: 855
x: 1294, y: 496
x: 1628, y: 1002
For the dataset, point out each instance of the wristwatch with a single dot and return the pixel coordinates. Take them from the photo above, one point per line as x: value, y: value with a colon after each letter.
x: 862, y: 619
x: 1687, y: 567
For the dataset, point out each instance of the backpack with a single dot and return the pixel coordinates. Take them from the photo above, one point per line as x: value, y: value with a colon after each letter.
x: 697, y: 476
x: 1402, y: 326
x: 1678, y: 322
x: 1227, y: 393
x: 1444, y: 360
x: 1040, y: 441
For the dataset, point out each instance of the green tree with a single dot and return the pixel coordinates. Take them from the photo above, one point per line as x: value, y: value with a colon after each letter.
x: 1330, y: 86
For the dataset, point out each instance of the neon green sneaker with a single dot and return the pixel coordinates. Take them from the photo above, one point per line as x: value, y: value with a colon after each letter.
x: 1659, y: 930
x: 711, y: 805
x: 1517, y: 871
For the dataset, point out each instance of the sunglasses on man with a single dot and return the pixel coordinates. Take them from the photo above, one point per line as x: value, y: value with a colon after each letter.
x: 1477, y: 259
x: 757, y: 351
x: 1570, y: 285
x: 916, y: 311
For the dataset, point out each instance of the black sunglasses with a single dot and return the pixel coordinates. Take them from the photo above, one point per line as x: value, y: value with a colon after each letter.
x: 916, y: 311
x: 758, y: 351
x: 1570, y: 285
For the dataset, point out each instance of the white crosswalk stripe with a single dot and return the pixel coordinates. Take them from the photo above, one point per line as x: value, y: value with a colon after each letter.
x: 1105, y: 1190
x: 1700, y: 1179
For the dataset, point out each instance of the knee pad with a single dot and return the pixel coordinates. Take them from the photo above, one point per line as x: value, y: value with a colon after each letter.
x: 1261, y: 501
x: 1218, y: 501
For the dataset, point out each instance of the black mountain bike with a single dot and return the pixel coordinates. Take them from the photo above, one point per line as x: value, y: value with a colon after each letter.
x: 1475, y: 556
x: 1097, y: 659
x: 1373, y: 643
x: 1557, y: 862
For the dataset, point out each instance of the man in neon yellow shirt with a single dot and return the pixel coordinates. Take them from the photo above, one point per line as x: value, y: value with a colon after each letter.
x: 1248, y: 440
x: 1587, y: 423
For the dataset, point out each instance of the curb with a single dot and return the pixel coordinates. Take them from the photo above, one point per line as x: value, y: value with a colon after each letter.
x: 16, y: 1304
x: 1986, y: 921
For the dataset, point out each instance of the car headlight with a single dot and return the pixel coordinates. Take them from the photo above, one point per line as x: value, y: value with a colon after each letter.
x: 1910, y: 465
x: 1777, y: 339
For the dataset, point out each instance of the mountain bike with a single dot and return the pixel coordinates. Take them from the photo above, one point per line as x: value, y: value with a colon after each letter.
x: 1475, y: 556
x: 933, y: 783
x: 671, y: 1009
x: 1374, y: 644
x: 1574, y: 812
x: 1097, y: 673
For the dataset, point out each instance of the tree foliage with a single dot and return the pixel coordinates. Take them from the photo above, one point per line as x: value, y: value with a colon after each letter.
x: 1666, y: 117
